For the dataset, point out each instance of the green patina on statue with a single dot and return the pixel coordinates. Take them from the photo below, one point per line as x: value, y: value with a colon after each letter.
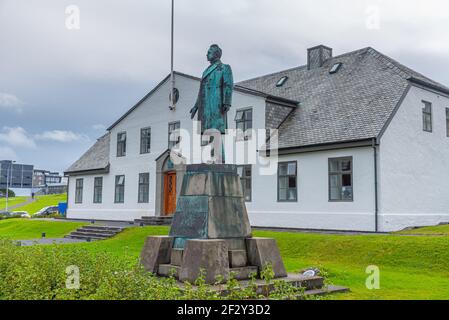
x: 215, y: 95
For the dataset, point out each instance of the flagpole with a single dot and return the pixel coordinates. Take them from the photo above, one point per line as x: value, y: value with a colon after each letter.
x: 172, y: 73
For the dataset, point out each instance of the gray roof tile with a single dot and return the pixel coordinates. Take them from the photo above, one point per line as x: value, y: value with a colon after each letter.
x: 96, y: 158
x: 353, y: 104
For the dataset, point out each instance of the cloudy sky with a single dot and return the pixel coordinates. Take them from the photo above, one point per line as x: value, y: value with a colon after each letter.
x: 61, y: 86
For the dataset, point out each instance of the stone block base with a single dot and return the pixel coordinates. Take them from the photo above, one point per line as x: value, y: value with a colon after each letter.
x: 217, y: 257
x: 156, y: 251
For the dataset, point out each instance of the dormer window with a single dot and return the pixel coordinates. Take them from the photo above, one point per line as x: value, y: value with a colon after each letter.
x: 335, y: 68
x: 282, y: 81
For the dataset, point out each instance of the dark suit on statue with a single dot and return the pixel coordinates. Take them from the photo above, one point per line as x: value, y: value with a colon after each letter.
x: 215, y: 95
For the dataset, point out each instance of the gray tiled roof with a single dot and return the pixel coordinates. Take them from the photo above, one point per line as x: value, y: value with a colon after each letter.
x: 353, y: 104
x: 96, y: 158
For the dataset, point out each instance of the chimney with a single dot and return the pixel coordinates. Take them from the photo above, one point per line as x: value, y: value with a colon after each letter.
x: 316, y: 56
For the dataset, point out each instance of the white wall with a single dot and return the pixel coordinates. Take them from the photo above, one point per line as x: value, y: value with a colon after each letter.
x: 313, y: 210
x: 414, y: 165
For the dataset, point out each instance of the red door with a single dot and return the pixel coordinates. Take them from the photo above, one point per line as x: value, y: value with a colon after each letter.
x: 170, y: 193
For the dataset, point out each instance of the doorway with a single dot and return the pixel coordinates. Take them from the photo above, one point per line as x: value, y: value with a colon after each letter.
x: 170, y: 193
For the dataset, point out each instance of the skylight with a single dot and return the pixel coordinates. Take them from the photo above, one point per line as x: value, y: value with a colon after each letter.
x: 282, y: 81
x: 335, y: 68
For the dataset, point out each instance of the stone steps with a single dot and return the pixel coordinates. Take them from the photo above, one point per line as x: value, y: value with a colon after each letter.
x: 154, y: 221
x: 94, y: 233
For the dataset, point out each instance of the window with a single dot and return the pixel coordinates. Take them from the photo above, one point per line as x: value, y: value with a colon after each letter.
x: 121, y: 144
x: 427, y: 116
x: 335, y: 68
x: 172, y: 127
x: 287, y: 182
x: 447, y: 122
x: 144, y: 187
x: 282, y: 81
x: 98, y: 190
x: 79, y: 191
x: 245, y: 178
x: 244, y: 122
x: 340, y: 179
x: 145, y: 140
x: 119, y: 189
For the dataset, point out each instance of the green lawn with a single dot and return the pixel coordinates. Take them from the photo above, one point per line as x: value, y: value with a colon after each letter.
x: 44, y: 201
x: 411, y: 267
x: 435, y: 230
x: 11, y: 202
x: 24, y: 229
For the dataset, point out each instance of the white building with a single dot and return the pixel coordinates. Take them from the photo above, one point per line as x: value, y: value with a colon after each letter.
x: 363, y: 146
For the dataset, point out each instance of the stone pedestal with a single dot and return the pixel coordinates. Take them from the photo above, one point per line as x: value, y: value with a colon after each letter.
x: 211, y: 231
x: 156, y: 251
x: 210, y: 206
x: 209, y: 255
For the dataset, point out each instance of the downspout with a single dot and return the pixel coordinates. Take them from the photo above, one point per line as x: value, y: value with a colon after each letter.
x: 376, y: 195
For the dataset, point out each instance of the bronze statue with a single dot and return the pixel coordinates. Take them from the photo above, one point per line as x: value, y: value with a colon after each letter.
x: 214, y: 100
x: 215, y: 95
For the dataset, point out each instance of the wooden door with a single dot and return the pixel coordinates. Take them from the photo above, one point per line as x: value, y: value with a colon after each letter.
x: 170, y: 193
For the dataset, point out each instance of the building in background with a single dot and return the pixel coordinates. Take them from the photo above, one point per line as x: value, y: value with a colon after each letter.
x: 17, y: 177
x: 24, y: 180
x: 48, y: 182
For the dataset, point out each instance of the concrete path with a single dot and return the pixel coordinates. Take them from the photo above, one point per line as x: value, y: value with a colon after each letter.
x: 103, y: 223
x: 17, y: 206
x: 26, y: 243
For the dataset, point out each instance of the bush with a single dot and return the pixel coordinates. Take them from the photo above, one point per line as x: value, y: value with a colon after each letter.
x: 39, y: 273
x: 10, y: 193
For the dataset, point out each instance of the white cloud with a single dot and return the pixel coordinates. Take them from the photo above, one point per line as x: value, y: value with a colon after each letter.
x: 10, y: 101
x: 7, y: 153
x: 99, y: 127
x: 61, y: 136
x: 17, y: 137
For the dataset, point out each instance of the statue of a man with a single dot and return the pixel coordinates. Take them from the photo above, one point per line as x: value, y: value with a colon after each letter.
x: 215, y: 95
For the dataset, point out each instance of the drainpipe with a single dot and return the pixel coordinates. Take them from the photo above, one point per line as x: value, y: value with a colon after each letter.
x: 376, y: 195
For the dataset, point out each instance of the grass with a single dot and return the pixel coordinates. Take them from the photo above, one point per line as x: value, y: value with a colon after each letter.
x: 11, y: 201
x: 42, y: 202
x: 410, y: 267
x: 435, y: 230
x: 23, y: 229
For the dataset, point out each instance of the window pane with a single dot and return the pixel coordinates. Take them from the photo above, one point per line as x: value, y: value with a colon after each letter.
x: 291, y: 194
x: 249, y: 115
x: 283, y: 182
x: 282, y: 169
x: 334, y: 165
x: 335, y: 193
x: 291, y: 169
x: 239, y: 115
x: 346, y: 165
x: 346, y: 193
x: 283, y: 194
x: 346, y: 180
x: 240, y: 171
x: 292, y: 182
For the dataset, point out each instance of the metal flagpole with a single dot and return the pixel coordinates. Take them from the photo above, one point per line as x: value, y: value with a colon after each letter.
x: 172, y: 74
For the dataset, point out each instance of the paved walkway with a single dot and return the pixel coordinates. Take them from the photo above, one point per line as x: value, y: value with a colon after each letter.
x: 17, y: 206
x: 26, y: 243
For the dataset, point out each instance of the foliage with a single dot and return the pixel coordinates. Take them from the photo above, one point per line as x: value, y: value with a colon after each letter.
x: 40, y: 273
x: 10, y: 192
x: 410, y: 267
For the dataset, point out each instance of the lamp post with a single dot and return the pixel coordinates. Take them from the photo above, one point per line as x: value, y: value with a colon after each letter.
x: 8, y: 176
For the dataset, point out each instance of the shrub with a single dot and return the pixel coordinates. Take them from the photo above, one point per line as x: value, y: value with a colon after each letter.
x: 39, y: 273
x: 11, y: 193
